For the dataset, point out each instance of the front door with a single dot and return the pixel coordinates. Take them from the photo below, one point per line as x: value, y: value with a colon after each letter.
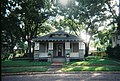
x: 59, y: 50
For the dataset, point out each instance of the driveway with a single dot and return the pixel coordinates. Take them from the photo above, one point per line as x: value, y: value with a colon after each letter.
x: 80, y: 76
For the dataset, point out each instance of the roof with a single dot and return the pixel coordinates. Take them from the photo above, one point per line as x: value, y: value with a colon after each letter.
x: 58, y: 36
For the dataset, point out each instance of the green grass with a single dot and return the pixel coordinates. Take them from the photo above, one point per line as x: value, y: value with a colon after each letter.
x: 23, y: 63
x: 93, y: 64
x: 94, y: 61
x: 16, y: 66
x: 17, y: 70
x: 91, y: 68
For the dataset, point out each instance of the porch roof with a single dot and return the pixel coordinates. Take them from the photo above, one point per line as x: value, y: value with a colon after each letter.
x: 58, y: 36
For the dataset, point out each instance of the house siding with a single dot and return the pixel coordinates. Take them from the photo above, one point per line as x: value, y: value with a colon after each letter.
x: 68, y: 48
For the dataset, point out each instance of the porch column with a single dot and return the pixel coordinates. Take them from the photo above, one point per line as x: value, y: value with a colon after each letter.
x: 67, y: 51
x: 50, y: 48
x: 36, y: 51
x: 81, y: 50
x: 50, y: 51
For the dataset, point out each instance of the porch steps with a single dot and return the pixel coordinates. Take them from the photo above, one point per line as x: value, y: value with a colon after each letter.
x: 58, y: 60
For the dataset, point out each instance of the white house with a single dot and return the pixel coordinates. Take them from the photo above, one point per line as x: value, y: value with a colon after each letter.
x: 58, y: 46
x: 116, y: 38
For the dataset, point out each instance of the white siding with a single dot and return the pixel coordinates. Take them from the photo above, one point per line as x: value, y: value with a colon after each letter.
x: 36, y: 55
x: 119, y: 37
x: 82, y: 53
x: 81, y: 45
x: 118, y: 42
x: 43, y: 54
x: 74, y: 54
x: 39, y: 55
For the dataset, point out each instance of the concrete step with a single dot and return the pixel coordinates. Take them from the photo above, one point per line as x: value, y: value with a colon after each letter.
x: 58, y: 60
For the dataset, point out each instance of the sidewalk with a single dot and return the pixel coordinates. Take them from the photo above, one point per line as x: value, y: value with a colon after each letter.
x: 52, y: 72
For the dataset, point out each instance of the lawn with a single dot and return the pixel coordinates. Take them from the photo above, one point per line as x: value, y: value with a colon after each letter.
x: 93, y: 64
x: 23, y: 69
x: 91, y: 68
x: 15, y: 66
x: 23, y: 63
x: 94, y: 61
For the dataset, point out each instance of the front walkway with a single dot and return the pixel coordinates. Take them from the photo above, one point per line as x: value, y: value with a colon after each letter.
x: 55, y: 67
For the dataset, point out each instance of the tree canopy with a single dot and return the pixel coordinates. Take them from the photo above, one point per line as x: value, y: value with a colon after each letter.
x: 25, y: 19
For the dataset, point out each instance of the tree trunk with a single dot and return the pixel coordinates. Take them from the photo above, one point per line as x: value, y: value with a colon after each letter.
x: 12, y: 44
x: 86, y: 49
x: 29, y: 51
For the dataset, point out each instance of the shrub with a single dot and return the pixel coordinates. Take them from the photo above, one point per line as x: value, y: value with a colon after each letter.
x: 7, y: 56
x: 113, y: 52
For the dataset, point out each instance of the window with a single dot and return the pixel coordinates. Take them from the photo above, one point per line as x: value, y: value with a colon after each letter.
x: 75, y: 47
x: 43, y: 47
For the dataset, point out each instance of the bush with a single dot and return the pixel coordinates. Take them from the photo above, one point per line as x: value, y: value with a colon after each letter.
x: 113, y: 52
x: 7, y: 56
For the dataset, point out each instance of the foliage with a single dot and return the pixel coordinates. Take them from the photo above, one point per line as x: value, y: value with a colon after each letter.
x: 113, y: 52
x: 88, y: 15
x: 24, y: 20
x: 7, y: 56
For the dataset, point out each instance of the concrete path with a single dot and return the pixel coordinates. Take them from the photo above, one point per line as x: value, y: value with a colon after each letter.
x: 78, y: 76
x: 55, y: 67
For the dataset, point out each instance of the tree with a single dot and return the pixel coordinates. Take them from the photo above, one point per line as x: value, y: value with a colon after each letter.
x: 25, y: 18
x: 86, y: 14
x: 10, y: 31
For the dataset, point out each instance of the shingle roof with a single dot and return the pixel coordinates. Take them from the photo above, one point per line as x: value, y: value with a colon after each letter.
x: 48, y: 37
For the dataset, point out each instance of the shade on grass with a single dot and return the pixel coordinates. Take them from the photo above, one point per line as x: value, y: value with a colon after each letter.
x: 23, y: 63
x: 96, y: 61
x: 17, y: 70
x: 93, y: 64
x: 92, y: 68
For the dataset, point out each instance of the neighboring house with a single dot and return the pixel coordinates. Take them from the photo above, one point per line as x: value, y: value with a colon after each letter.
x: 58, y: 46
x: 116, y: 38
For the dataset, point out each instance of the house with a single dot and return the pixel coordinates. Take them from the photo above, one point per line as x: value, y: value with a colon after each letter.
x: 58, y: 46
x: 116, y: 38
